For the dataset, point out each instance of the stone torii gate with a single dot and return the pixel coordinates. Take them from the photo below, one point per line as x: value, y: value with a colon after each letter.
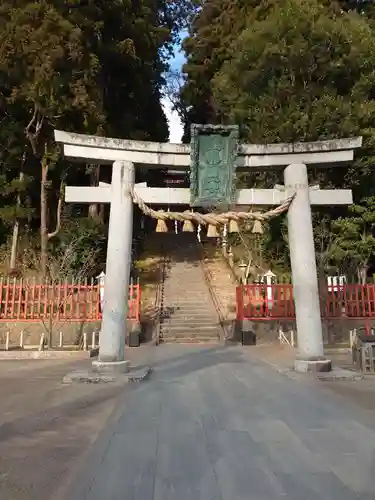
x: 126, y: 155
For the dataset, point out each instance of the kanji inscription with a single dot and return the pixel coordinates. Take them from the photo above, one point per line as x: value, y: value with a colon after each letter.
x: 213, y: 165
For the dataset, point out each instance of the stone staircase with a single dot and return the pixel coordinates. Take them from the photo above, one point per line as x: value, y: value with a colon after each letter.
x: 189, y: 314
x: 223, y: 287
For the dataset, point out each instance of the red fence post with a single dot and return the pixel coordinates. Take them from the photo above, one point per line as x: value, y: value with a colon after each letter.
x: 139, y: 302
x: 277, y: 302
x: 21, y: 300
x: 239, y: 302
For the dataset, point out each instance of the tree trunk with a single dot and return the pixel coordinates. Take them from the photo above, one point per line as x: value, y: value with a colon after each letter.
x: 43, y: 219
x: 13, y: 253
x: 362, y: 274
x: 322, y: 285
x: 93, y: 210
x: 16, y: 226
x: 94, y: 181
x: 101, y: 211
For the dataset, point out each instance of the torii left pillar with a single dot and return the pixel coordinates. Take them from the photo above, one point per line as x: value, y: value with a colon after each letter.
x: 114, y: 322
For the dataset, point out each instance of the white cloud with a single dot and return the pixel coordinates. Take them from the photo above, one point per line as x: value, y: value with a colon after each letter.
x: 176, y: 129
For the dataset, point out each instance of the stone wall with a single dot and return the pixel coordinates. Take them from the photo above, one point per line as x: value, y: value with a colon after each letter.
x: 72, y: 332
x: 335, y: 332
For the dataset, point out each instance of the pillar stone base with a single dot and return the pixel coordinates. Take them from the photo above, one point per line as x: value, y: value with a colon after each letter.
x: 135, y: 374
x: 110, y: 367
x: 313, y: 364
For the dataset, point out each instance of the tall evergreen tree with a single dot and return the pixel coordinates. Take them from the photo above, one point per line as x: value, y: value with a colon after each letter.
x: 297, y: 70
x: 303, y: 72
x: 92, y: 67
x: 211, y: 34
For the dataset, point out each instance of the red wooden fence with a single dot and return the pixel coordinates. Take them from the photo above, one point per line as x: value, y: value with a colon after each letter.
x: 277, y: 302
x: 30, y: 301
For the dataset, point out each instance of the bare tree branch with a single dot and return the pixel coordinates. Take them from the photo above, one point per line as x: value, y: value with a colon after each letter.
x: 36, y: 122
x: 58, y: 213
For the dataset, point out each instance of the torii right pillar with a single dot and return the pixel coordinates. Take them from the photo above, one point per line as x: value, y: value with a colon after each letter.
x: 304, y: 274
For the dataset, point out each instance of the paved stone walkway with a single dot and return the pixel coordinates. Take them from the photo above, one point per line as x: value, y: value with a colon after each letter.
x: 216, y: 424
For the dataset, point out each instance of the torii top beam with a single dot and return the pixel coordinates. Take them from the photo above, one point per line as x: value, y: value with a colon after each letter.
x: 103, y: 150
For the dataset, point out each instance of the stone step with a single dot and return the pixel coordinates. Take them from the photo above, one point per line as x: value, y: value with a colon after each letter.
x: 191, y: 320
x: 184, y: 290
x: 187, y: 335
x: 200, y: 340
x: 190, y: 263
x: 190, y: 316
x: 194, y: 308
x: 180, y: 297
x: 189, y: 312
x: 198, y: 309
x: 189, y: 309
x: 183, y: 274
x: 179, y: 270
x: 213, y: 332
x: 190, y: 326
x: 186, y: 286
x: 189, y: 300
x: 197, y: 314
x: 191, y: 332
x: 181, y: 294
x: 195, y: 275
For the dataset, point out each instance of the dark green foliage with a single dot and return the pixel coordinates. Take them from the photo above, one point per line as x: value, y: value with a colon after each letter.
x: 87, y: 66
x: 286, y: 71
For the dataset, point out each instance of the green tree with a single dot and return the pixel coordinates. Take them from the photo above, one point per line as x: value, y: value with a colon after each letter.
x: 291, y: 70
x: 46, y: 72
x: 211, y: 34
x: 306, y: 72
x: 92, y: 67
x: 355, y: 242
x: 302, y: 72
x: 364, y: 7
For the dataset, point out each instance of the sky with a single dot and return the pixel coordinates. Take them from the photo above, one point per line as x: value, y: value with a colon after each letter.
x: 176, y: 129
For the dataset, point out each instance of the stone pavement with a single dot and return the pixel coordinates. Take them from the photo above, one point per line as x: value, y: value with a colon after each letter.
x: 47, y: 427
x: 217, y: 423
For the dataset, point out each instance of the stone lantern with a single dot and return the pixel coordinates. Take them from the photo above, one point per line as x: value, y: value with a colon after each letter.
x: 269, y: 279
x: 243, y: 268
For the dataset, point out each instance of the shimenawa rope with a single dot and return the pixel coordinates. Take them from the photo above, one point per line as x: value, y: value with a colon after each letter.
x: 212, y: 218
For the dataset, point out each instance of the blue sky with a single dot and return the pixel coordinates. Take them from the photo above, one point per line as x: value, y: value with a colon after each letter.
x: 174, y: 122
x: 179, y: 58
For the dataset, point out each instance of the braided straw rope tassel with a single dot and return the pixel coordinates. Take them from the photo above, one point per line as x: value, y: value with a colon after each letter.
x: 210, y: 219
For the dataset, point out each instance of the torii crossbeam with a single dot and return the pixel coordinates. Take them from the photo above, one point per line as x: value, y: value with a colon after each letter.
x: 125, y: 155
